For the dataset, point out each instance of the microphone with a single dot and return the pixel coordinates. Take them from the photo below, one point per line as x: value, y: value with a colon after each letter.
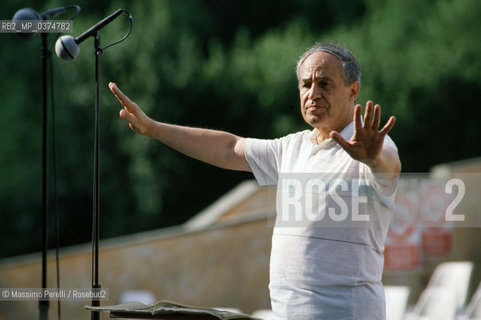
x: 26, y: 14
x: 30, y: 14
x: 67, y: 47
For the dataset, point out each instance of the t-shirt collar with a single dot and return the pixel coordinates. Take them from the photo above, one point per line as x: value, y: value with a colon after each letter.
x: 346, y: 133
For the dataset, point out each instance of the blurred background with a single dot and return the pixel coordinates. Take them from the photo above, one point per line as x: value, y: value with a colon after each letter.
x: 227, y: 65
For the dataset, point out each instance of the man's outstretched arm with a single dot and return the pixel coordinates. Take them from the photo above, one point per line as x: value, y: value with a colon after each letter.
x: 218, y: 148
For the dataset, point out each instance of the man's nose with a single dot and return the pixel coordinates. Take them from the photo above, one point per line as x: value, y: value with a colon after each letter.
x: 314, y: 92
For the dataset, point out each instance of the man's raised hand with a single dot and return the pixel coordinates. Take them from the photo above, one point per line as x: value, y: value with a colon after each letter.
x: 367, y: 141
x: 137, y: 119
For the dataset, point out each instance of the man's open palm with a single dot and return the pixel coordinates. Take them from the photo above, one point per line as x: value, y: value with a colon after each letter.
x: 367, y: 141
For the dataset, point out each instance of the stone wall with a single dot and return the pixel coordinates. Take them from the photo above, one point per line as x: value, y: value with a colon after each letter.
x: 221, y: 265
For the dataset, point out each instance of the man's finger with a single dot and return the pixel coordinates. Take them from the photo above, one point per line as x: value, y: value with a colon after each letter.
x: 336, y: 136
x: 131, y: 119
x: 368, y: 114
x: 128, y: 116
x: 376, y: 122
x: 123, y: 99
x: 124, y: 114
x: 388, y: 126
x: 116, y: 91
x: 357, y: 117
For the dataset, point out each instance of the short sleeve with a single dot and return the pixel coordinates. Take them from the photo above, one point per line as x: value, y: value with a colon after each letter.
x: 389, y: 143
x: 264, y: 157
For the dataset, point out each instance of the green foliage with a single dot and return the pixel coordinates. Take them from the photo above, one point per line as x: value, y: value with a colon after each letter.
x: 225, y: 65
x: 418, y: 60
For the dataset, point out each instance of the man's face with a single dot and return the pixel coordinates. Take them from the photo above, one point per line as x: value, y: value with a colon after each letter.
x: 327, y: 103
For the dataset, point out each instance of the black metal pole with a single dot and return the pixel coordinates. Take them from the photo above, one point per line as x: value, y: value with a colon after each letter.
x: 44, y: 303
x: 96, y: 216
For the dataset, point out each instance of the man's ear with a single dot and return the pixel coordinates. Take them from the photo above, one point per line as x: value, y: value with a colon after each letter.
x: 355, y: 87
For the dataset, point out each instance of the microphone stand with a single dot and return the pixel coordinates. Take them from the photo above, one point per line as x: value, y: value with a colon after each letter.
x: 95, y: 202
x: 44, y: 303
x: 95, y: 315
x: 46, y: 53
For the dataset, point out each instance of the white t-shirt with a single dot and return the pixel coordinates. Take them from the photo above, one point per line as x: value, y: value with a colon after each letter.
x: 332, y: 220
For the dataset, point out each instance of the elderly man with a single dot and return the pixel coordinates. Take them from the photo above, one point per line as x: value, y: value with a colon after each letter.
x: 327, y: 262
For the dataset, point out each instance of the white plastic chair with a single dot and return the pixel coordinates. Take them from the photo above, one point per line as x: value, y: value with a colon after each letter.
x: 396, y: 301
x: 435, y: 303
x: 473, y: 309
x: 456, y: 277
